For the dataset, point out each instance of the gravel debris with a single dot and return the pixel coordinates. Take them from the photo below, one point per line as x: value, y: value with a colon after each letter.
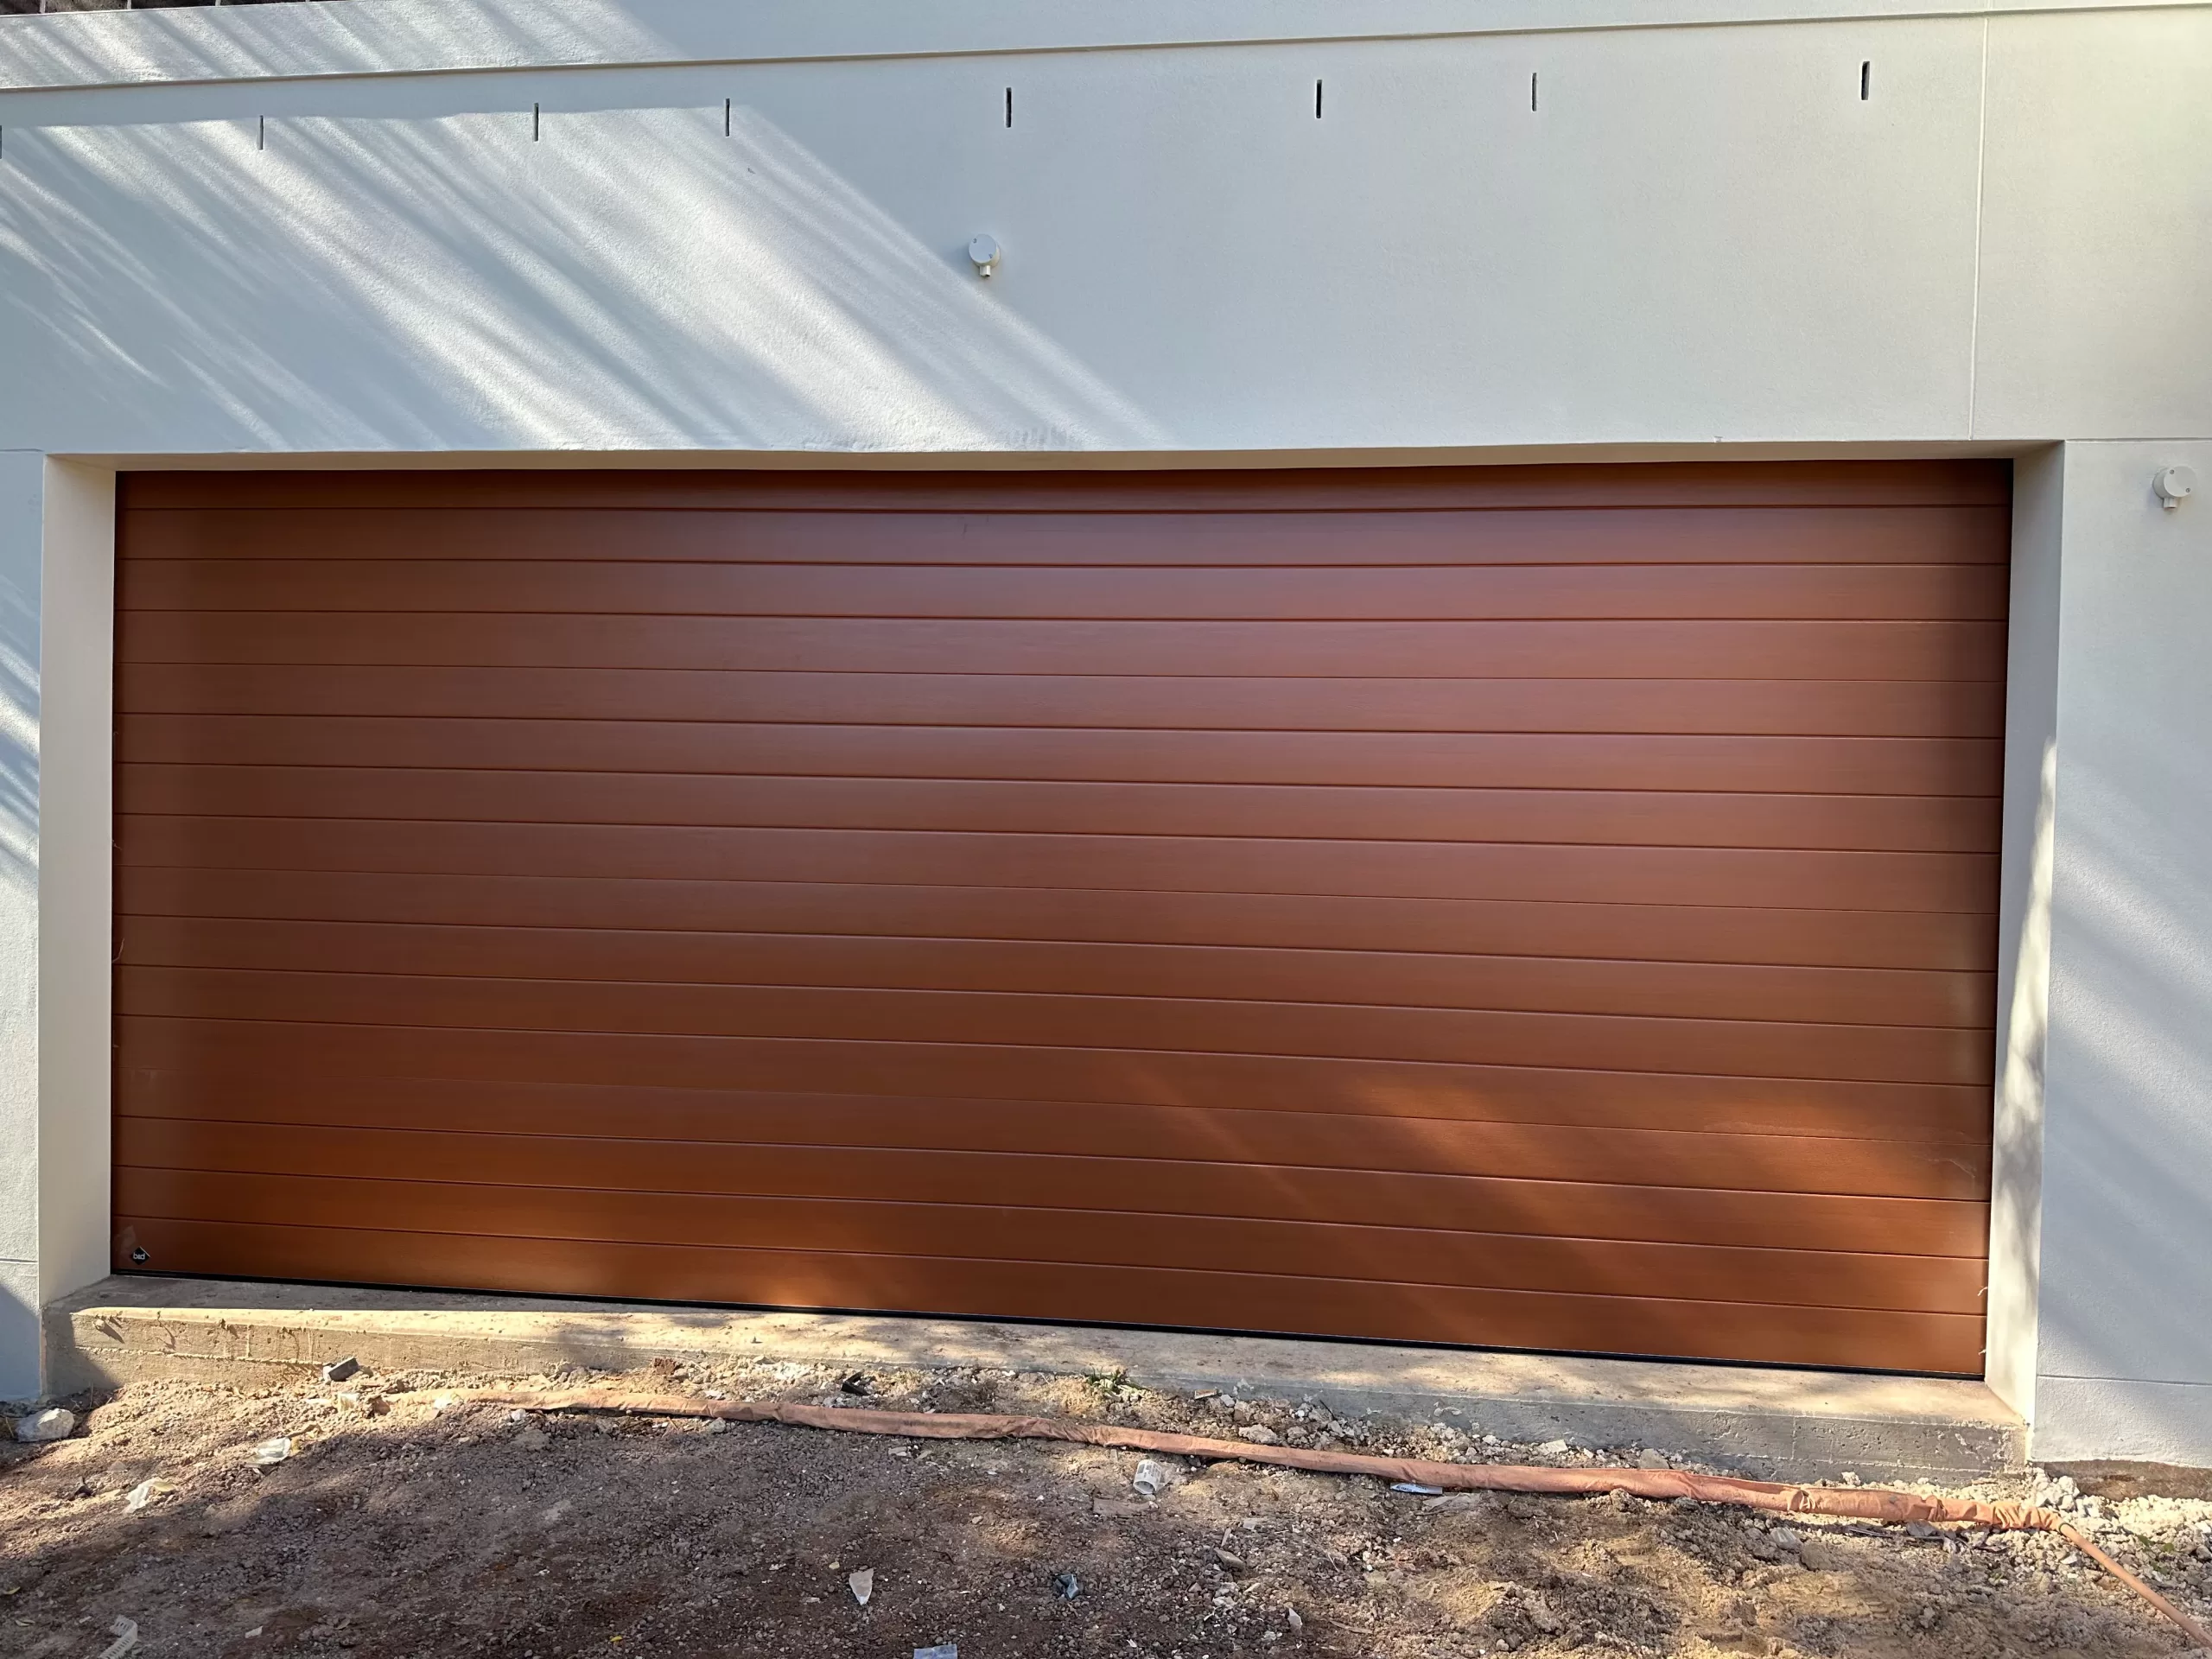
x: 396, y: 1528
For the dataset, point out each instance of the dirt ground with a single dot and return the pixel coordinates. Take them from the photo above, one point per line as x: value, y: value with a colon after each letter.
x: 397, y: 1527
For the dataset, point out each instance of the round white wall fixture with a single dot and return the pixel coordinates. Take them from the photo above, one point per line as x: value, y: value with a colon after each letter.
x: 2175, y: 485
x: 984, y: 251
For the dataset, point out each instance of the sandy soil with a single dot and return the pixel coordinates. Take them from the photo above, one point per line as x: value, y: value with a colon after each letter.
x: 398, y: 1528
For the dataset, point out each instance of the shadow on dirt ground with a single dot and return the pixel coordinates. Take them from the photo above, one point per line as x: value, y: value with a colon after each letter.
x: 396, y: 1528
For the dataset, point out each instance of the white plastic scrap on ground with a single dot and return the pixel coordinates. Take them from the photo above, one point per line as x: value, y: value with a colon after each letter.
x: 948, y: 1651
x: 272, y: 1451
x: 863, y: 1585
x: 126, y: 1638
x: 1152, y: 1478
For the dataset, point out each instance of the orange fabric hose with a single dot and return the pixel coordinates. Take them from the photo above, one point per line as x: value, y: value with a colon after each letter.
x: 1855, y: 1502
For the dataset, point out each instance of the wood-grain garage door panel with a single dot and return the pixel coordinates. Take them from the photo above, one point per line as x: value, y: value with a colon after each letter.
x: 316, y: 749
x: 1706, y: 1047
x: 1612, y: 650
x: 1204, y: 1169
x: 1258, y: 1162
x: 1410, y: 869
x: 1940, y: 941
x: 1942, y: 535
x: 1884, y: 484
x: 1350, y: 703
x: 1359, y: 1089
x: 976, y: 1223
x: 1415, y: 1311
x: 1873, y: 592
x: 1687, y: 990
x: 1603, y: 817
x: 1532, y: 907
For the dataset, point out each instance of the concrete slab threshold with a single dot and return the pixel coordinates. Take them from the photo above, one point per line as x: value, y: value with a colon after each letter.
x: 1790, y: 1424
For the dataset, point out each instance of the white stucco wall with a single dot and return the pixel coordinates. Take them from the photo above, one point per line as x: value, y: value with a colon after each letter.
x: 1700, y: 234
x: 2124, y: 1360
x: 412, y: 232
x: 22, y: 515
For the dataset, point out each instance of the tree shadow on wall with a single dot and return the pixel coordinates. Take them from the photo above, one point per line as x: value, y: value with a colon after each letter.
x: 493, y: 278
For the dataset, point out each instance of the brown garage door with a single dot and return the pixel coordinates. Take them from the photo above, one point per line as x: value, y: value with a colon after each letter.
x: 1533, y: 907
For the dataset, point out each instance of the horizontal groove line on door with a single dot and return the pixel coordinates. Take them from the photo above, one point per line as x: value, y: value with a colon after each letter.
x: 1346, y: 734
x: 1131, y: 835
x: 1197, y: 946
x: 1014, y: 992
x: 435, y: 720
x: 1824, y: 619
x: 1614, y: 1189
x: 1716, y: 935
x: 1145, y: 1266
x: 1976, y: 915
x: 1103, y: 510
x: 1258, y: 1004
x: 249, y: 1023
x: 1017, y: 939
x: 420, y: 665
x: 142, y: 1087
x: 1779, y: 1257
x: 1949, y: 1150
x: 326, y: 1021
x: 1624, y: 486
x: 1689, y: 1194
x: 257, y: 561
x: 862, y: 512
x: 1412, y: 793
x: 1948, y: 1344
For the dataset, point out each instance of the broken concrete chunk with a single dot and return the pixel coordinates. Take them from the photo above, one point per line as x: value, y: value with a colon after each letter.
x: 1816, y: 1556
x: 1259, y: 1435
x: 51, y: 1424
